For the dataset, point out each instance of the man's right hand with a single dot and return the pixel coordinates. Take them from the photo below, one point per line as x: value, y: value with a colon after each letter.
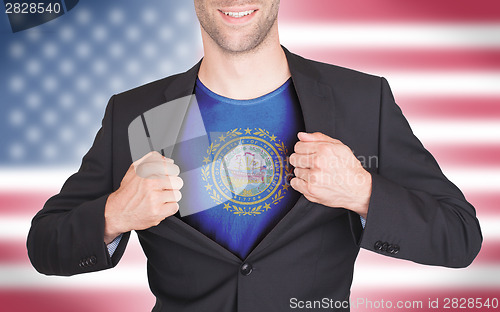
x: 148, y: 193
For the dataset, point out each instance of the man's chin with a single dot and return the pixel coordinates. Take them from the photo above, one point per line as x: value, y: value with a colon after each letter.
x: 240, y: 46
x: 239, y: 50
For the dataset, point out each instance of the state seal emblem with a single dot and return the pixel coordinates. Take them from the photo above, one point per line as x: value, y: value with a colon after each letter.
x: 246, y: 170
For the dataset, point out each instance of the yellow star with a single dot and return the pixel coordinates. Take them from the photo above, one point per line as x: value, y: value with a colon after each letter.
x: 208, y: 186
x: 226, y: 206
x: 273, y: 137
x: 206, y: 160
x: 248, y: 131
x: 267, y: 206
x: 285, y: 186
x: 222, y: 138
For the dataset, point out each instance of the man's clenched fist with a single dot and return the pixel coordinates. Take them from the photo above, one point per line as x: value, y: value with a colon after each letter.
x: 328, y: 173
x: 148, y: 193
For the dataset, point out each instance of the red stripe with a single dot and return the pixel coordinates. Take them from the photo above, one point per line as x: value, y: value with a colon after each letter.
x: 383, y: 60
x: 368, y: 299
x: 25, y: 204
x: 450, y: 107
x: 463, y: 156
x: 106, y: 300
x: 391, y: 11
x: 14, y: 252
x: 77, y: 300
x: 489, y: 255
x: 486, y: 204
x: 18, y: 202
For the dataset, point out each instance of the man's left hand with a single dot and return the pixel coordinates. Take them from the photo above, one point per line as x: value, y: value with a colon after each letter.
x: 328, y: 173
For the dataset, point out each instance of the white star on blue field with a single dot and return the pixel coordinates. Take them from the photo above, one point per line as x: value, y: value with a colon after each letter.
x: 56, y: 78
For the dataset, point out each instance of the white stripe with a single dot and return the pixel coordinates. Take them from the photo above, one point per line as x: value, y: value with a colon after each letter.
x: 385, y: 276
x: 472, y: 180
x: 333, y: 35
x: 123, y: 277
x: 16, y: 228
x: 469, y: 179
x: 402, y: 274
x: 391, y: 276
x: 130, y: 276
x: 430, y: 132
x: 457, y: 131
x: 42, y: 180
x: 468, y: 83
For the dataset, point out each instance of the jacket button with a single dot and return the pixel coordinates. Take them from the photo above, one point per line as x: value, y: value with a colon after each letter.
x: 385, y: 245
x: 246, y: 269
x: 378, y: 245
x: 395, y: 249
x: 390, y: 249
x: 93, y: 260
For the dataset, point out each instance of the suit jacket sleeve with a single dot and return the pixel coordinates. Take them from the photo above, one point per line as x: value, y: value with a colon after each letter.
x: 67, y: 235
x: 414, y: 209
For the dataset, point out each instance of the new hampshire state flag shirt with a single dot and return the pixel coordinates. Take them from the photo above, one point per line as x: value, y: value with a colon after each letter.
x: 233, y: 158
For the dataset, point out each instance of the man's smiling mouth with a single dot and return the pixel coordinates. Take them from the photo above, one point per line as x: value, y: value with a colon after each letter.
x: 238, y: 14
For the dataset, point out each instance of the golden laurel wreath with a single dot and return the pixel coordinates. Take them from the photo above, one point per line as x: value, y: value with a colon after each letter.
x: 208, y: 175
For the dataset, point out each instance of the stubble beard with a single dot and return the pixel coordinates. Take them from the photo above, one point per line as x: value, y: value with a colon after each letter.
x: 247, y: 44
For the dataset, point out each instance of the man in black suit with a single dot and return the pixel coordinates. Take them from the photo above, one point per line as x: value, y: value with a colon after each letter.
x: 308, y: 251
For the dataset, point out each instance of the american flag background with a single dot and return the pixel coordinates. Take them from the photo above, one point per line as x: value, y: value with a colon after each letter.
x: 441, y: 57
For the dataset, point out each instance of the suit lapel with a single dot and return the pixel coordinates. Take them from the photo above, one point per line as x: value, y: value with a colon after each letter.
x: 315, y: 97
x: 183, y: 84
x: 317, y: 104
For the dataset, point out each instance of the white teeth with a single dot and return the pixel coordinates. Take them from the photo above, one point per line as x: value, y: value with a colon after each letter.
x: 239, y: 14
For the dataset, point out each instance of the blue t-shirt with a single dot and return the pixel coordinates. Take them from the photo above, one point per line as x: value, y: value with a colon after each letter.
x: 236, y: 180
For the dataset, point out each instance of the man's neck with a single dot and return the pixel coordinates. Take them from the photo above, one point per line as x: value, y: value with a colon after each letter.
x: 244, y: 75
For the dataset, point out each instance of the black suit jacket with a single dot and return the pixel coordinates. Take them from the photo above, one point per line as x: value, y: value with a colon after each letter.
x: 415, y: 213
